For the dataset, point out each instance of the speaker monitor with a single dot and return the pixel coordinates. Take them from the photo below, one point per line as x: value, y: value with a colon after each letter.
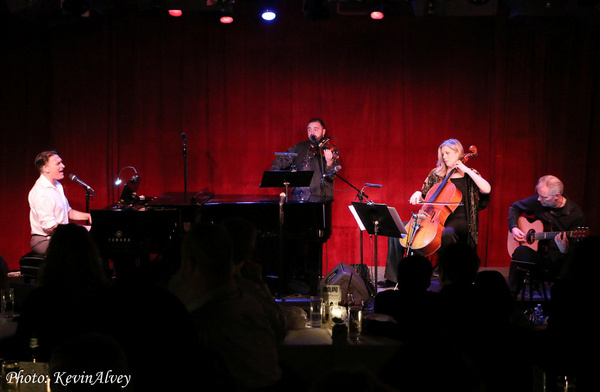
x: 341, y: 275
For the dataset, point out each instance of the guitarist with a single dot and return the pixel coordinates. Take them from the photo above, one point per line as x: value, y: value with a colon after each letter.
x: 557, y: 213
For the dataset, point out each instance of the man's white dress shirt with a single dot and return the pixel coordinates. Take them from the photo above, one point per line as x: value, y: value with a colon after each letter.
x: 49, y: 206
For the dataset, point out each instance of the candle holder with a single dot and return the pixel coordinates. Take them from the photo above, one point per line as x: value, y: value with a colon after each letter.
x: 339, y: 330
x: 338, y: 314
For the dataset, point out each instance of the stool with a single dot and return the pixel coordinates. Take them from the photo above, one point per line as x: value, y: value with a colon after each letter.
x: 30, y: 266
x: 533, y: 277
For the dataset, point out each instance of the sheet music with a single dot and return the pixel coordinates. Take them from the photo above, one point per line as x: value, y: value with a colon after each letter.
x: 360, y: 224
x: 397, y: 220
x: 393, y: 213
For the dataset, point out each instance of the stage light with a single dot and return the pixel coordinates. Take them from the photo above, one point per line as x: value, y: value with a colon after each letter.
x: 377, y: 15
x: 268, y: 15
x: 175, y: 13
x: 377, y: 11
x: 226, y: 11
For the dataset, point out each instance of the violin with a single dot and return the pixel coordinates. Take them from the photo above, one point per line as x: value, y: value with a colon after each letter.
x: 425, y: 228
x: 322, y: 145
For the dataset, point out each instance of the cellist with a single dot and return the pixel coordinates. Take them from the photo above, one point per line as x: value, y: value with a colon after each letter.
x: 461, y: 225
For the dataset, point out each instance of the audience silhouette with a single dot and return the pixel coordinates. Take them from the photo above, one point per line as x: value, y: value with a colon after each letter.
x: 157, y: 335
x: 411, y: 305
x: 248, y: 274
x: 227, y: 321
x: 72, y: 295
x: 91, y: 354
x: 572, y: 341
x: 458, y: 265
x: 497, y: 347
x: 221, y: 322
x: 75, y: 297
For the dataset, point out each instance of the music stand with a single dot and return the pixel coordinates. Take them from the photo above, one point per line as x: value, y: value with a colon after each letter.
x: 286, y: 178
x: 378, y: 219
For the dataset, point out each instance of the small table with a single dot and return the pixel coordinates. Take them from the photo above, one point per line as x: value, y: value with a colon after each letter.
x: 310, y: 354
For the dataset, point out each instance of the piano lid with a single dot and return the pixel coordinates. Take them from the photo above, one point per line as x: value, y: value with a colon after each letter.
x: 177, y: 198
x: 260, y: 199
x: 204, y: 197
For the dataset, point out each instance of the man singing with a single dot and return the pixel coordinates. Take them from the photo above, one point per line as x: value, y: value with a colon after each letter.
x: 48, y: 203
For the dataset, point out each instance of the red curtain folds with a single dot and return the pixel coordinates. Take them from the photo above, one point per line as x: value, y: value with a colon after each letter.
x: 120, y: 92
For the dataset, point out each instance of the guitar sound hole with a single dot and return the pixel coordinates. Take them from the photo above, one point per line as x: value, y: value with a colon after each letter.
x: 530, y: 236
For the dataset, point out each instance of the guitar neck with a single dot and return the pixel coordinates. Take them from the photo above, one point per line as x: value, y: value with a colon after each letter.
x: 548, y: 235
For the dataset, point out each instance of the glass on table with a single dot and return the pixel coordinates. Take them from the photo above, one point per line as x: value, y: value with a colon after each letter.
x: 354, y: 322
x: 316, y: 309
x: 7, y: 300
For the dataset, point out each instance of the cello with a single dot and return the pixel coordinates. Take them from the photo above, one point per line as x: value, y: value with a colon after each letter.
x: 425, y: 228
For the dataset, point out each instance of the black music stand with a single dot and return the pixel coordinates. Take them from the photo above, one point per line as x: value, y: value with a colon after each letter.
x: 286, y: 178
x: 378, y: 219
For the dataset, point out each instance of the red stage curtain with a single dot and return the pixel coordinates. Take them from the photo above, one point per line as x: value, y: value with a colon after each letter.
x: 120, y: 93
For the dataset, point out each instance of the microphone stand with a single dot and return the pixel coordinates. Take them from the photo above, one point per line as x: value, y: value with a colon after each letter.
x: 320, y: 160
x: 361, y: 195
x: 185, y: 184
x: 88, y: 195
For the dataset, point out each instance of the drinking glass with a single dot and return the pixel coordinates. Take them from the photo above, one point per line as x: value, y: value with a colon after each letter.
x: 354, y: 322
x: 8, y: 302
x: 316, y: 317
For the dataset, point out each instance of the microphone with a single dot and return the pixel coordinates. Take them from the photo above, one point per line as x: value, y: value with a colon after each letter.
x: 313, y: 138
x: 373, y: 185
x: 183, y: 137
x: 77, y: 180
x: 335, y: 170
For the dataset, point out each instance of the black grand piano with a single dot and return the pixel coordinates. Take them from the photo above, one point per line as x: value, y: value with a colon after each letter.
x: 143, y: 232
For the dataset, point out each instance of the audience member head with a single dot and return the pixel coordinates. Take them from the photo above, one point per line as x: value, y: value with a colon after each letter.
x: 458, y: 263
x: 73, y: 261
x: 414, y: 273
x: 207, y: 255
x: 89, y: 354
x: 492, y: 289
x: 243, y: 234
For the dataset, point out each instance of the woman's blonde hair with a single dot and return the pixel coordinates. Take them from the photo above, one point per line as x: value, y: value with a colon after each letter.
x: 441, y: 169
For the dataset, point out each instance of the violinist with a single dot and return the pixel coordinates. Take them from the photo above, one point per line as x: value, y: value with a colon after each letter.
x: 462, y: 225
x: 314, y: 154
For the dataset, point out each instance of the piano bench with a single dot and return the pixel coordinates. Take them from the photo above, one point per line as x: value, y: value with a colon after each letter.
x: 30, y: 266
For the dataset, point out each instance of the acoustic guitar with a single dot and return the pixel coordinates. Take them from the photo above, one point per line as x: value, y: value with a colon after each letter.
x: 534, y: 232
